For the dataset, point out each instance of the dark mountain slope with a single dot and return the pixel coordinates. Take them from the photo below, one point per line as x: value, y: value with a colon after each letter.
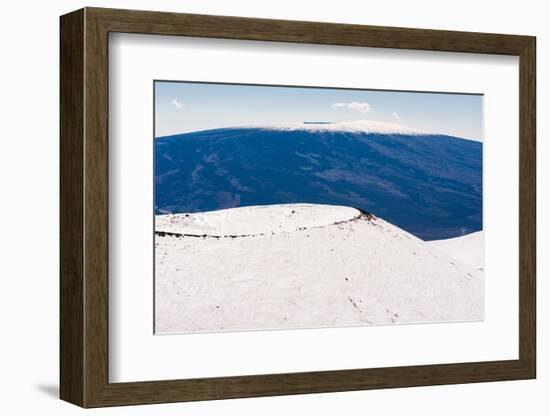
x: 429, y: 185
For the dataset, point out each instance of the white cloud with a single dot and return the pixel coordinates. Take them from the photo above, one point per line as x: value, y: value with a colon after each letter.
x: 176, y: 103
x: 362, y: 107
x: 396, y: 117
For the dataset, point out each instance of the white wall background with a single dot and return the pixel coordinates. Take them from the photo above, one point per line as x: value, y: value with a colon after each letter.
x: 29, y: 214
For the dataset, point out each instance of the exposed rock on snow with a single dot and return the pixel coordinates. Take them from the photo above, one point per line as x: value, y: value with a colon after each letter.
x: 253, y: 221
x: 299, y: 266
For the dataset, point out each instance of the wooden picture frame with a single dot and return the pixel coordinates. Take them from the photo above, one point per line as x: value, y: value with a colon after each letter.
x: 84, y: 207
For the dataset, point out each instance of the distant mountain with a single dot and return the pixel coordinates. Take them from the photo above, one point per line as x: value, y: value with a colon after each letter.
x: 428, y: 184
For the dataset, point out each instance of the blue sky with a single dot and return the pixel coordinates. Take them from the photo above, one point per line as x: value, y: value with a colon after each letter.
x: 183, y: 107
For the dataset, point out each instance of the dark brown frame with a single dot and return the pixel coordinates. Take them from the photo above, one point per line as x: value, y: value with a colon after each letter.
x: 84, y: 210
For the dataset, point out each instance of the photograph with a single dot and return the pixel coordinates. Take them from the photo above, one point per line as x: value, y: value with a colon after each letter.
x: 286, y: 207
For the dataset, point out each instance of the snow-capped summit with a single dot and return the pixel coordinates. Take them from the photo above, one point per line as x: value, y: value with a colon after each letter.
x: 358, y: 126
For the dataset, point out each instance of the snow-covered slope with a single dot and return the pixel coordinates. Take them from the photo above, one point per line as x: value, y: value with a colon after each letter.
x: 276, y: 267
x: 467, y: 249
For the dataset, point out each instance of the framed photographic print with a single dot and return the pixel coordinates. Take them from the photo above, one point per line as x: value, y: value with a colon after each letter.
x: 256, y: 207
